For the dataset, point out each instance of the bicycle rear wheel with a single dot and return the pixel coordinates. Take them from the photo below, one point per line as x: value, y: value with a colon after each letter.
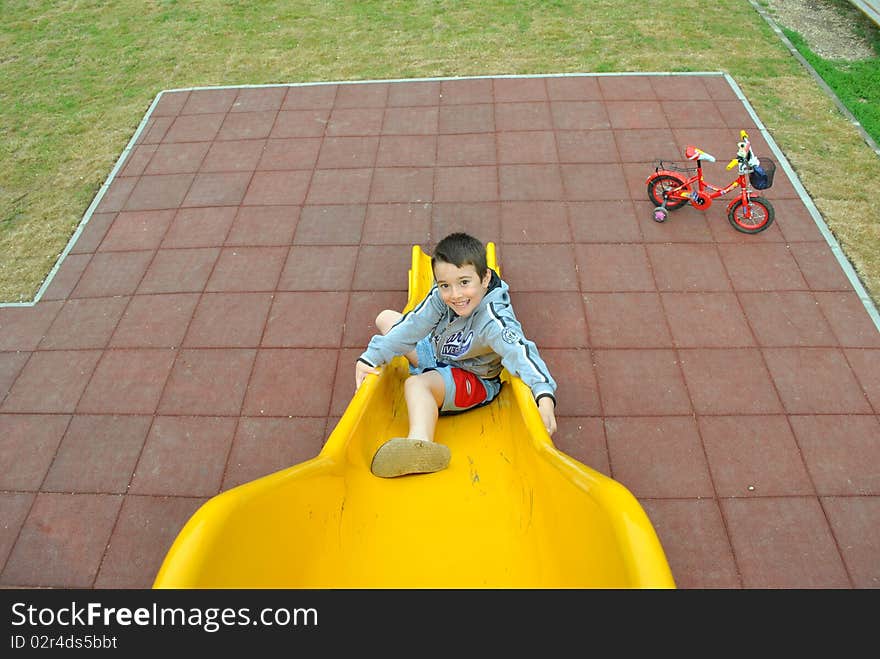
x: 762, y: 215
x: 659, y: 188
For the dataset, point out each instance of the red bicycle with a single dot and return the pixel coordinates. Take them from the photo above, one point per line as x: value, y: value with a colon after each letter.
x: 670, y: 187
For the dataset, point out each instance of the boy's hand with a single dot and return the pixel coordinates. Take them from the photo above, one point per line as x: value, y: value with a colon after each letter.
x: 361, y: 371
x: 547, y: 410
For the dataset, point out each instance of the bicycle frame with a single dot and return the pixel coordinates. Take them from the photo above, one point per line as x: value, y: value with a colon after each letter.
x: 702, y: 197
x: 671, y: 187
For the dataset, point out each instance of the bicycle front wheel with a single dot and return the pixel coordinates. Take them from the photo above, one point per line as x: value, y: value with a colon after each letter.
x: 761, y: 216
x: 659, y: 188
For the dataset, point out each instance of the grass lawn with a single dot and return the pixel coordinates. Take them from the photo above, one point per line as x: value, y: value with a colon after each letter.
x: 856, y: 84
x: 76, y: 77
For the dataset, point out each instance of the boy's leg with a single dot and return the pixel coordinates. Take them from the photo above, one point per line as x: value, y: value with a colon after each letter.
x: 388, y: 319
x: 424, y: 397
x: 418, y: 453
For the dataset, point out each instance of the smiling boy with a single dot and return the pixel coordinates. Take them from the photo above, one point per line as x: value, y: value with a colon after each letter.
x: 457, y: 341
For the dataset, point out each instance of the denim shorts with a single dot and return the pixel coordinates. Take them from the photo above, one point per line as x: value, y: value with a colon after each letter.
x: 463, y: 389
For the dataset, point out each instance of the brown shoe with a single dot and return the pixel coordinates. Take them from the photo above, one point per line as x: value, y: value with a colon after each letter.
x: 401, y: 455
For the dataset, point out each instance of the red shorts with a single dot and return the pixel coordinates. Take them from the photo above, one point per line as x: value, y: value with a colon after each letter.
x: 464, y: 390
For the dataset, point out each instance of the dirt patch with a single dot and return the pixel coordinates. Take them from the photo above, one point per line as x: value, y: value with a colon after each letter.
x: 828, y: 30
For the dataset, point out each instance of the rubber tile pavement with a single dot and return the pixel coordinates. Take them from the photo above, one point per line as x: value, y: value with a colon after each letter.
x: 201, y: 329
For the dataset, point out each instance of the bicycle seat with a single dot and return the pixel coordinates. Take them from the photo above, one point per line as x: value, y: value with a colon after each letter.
x: 693, y: 153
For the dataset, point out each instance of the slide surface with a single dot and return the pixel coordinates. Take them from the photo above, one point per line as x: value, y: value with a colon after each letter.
x: 511, y: 511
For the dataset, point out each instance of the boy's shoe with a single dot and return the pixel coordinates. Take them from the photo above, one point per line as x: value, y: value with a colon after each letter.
x: 401, y: 455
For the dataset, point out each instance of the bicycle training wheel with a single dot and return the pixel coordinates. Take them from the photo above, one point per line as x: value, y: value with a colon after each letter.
x: 659, y: 214
x: 762, y: 215
x: 664, y: 183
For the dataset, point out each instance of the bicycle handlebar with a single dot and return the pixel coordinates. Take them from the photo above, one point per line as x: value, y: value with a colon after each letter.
x: 744, y: 156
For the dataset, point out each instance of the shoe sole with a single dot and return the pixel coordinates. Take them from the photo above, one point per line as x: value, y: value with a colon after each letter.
x: 401, y: 456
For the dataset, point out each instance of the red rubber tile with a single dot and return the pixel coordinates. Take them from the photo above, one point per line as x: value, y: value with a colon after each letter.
x: 729, y: 381
x: 658, y: 457
x: 613, y: 268
x: 247, y: 125
x: 228, y: 320
x: 840, y: 452
x: 247, y: 269
x: 93, y: 233
x: 815, y: 380
x: 144, y: 532
x: 710, y: 320
x: 627, y: 389
x: 199, y: 227
x: 309, y: 97
x: 574, y: 88
x: 306, y: 319
x: 84, y: 323
x: 22, y: 328
x: 48, y: 554
x: 332, y: 224
x: 11, y: 364
x: 855, y: 522
x: 579, y: 116
x: 174, y: 354
x: 291, y: 382
x: 184, y: 456
x: 259, y: 99
x: 797, y: 551
x: 137, y: 230
x: 177, y: 271
x: 518, y: 222
x: 318, y: 267
x: 552, y: 320
x: 515, y: 116
x: 263, y: 226
x: 787, y: 318
x: 201, y: 101
x: 627, y: 320
x: 233, y: 156
x: 113, y: 273
x: 866, y: 365
x: 177, y: 158
x: 207, y: 381
x: 603, y: 222
x: 754, y: 456
x: 127, y: 381
x: 14, y: 507
x: 263, y: 446
x: 154, y: 321
x: 407, y: 150
x: 51, y: 382
x: 695, y: 540
x: 29, y: 441
x: 98, y: 454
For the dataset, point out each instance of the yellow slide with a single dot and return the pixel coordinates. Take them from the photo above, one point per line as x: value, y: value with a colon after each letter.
x: 511, y: 511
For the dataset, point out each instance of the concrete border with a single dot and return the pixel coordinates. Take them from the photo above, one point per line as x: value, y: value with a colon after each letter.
x: 868, y: 9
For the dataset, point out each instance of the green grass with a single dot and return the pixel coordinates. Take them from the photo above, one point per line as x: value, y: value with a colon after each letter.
x: 856, y: 83
x: 77, y: 77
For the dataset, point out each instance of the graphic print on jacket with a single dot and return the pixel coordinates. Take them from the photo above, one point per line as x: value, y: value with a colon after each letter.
x: 457, y: 344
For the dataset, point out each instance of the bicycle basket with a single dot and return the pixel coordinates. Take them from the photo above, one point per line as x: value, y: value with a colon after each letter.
x: 761, y: 177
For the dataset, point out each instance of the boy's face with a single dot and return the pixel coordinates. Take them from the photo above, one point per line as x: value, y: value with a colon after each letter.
x: 460, y: 288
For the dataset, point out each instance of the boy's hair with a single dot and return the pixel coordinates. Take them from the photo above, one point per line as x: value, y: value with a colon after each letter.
x: 461, y: 249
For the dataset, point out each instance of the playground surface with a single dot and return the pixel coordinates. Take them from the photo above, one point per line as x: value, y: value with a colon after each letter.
x: 201, y: 328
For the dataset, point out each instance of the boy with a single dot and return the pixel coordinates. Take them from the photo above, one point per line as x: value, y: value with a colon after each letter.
x: 457, y: 340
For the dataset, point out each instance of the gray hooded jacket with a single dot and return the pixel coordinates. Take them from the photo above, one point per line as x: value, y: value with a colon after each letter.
x: 485, y: 341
